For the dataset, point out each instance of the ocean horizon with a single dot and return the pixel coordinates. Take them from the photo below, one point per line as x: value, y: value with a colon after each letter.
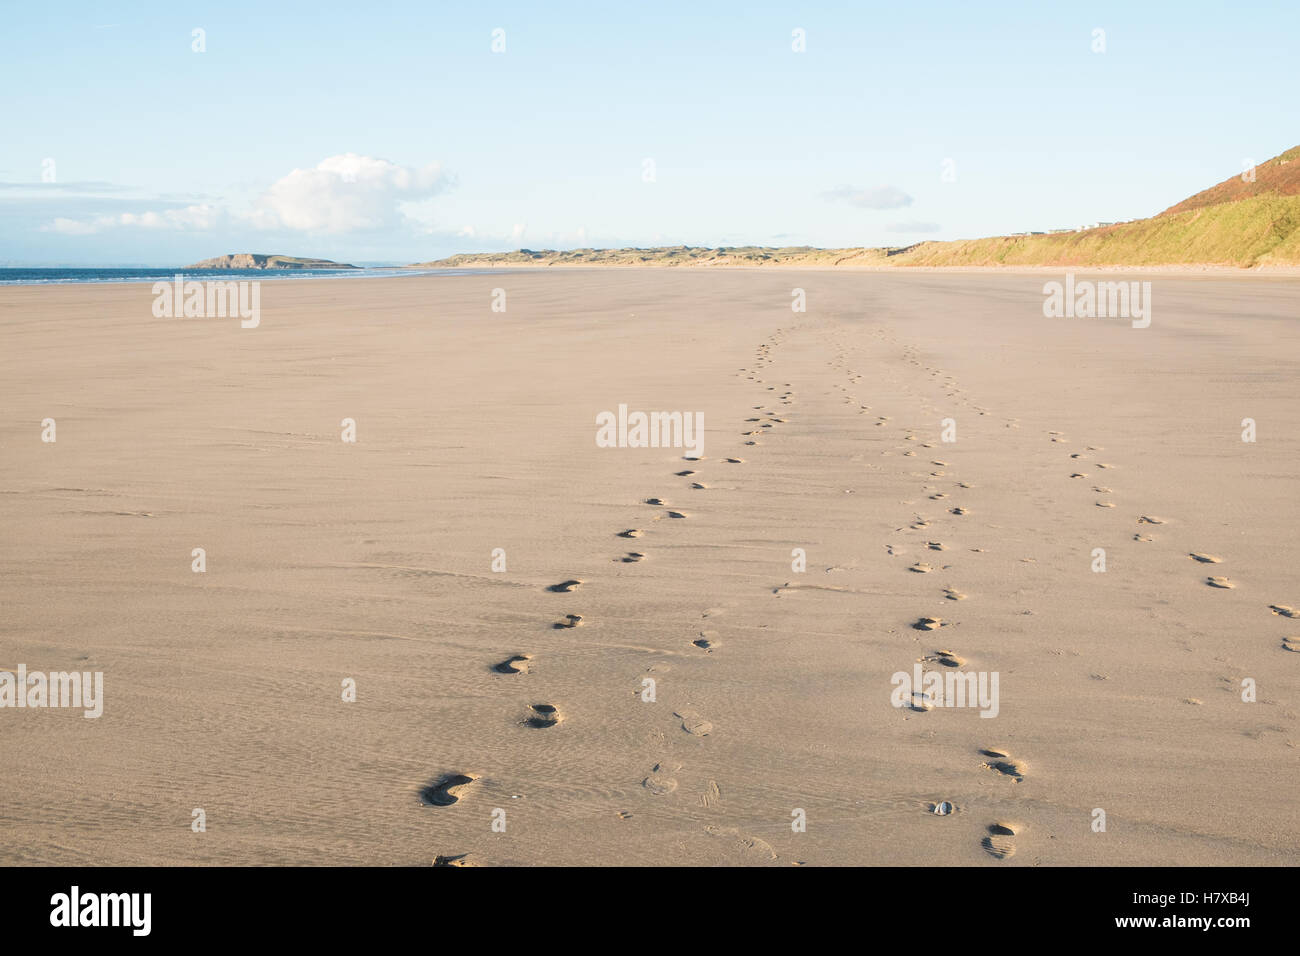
x: 77, y: 275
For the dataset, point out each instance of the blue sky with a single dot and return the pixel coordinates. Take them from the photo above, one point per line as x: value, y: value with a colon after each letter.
x: 391, y: 132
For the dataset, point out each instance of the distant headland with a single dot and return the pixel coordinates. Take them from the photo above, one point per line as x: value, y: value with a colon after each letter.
x: 255, y: 260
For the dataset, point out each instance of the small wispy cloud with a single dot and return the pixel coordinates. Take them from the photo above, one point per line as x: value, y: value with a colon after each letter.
x: 882, y: 197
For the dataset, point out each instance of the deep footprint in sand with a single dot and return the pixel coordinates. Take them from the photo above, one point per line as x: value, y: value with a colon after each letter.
x: 1291, y: 644
x: 1219, y: 583
x: 928, y: 624
x: 707, y: 641
x: 632, y: 557
x: 660, y: 781
x: 570, y: 620
x: 516, y: 664
x: 998, y: 843
x: 564, y: 587
x: 693, y: 723
x: 1001, y: 762
x: 1204, y: 558
x: 541, y: 716
x: 447, y: 790
x: 944, y: 658
x: 631, y: 533
x: 1283, y: 611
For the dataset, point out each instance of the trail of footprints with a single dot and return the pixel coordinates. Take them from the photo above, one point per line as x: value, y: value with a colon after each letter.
x: 999, y: 839
x: 1148, y: 524
x: 939, y: 486
x: 660, y: 781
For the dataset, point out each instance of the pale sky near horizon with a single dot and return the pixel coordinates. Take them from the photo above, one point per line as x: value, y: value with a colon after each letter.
x: 394, y: 133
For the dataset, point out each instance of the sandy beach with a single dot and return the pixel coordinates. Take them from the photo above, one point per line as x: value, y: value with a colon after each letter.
x: 486, y: 731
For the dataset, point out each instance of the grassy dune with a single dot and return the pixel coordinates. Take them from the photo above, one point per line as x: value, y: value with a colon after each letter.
x: 1249, y: 232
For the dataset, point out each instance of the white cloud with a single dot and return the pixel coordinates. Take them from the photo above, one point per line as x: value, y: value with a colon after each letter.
x: 346, y: 193
x: 199, y: 217
x: 882, y: 197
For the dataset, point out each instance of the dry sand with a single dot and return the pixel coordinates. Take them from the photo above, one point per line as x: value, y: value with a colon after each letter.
x: 326, y: 560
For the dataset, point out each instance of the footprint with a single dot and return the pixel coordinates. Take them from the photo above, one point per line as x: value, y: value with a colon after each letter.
x: 684, y: 474
x: 1219, y: 583
x: 693, y: 723
x: 706, y: 641
x: 1283, y: 610
x: 1291, y: 644
x: 943, y: 808
x: 1003, y: 763
x: 676, y: 514
x: 570, y: 620
x: 921, y: 568
x: 953, y: 595
x: 631, y: 533
x: 749, y: 847
x: 564, y: 587
x: 1150, y: 519
x: 959, y: 511
x: 999, y: 843
x: 936, y: 546
x: 1204, y: 558
x: 660, y: 781
x: 1105, y: 504
x: 657, y: 502
x: 447, y: 790
x: 928, y: 623
x: 457, y: 860
x: 945, y: 658
x: 632, y: 557
x: 516, y: 664
x: 542, y: 716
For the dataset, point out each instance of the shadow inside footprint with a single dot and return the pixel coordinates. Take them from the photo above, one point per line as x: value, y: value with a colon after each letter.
x: 543, y: 716
x: 1003, y: 764
x: 517, y: 664
x: 445, y: 791
x: 564, y: 587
